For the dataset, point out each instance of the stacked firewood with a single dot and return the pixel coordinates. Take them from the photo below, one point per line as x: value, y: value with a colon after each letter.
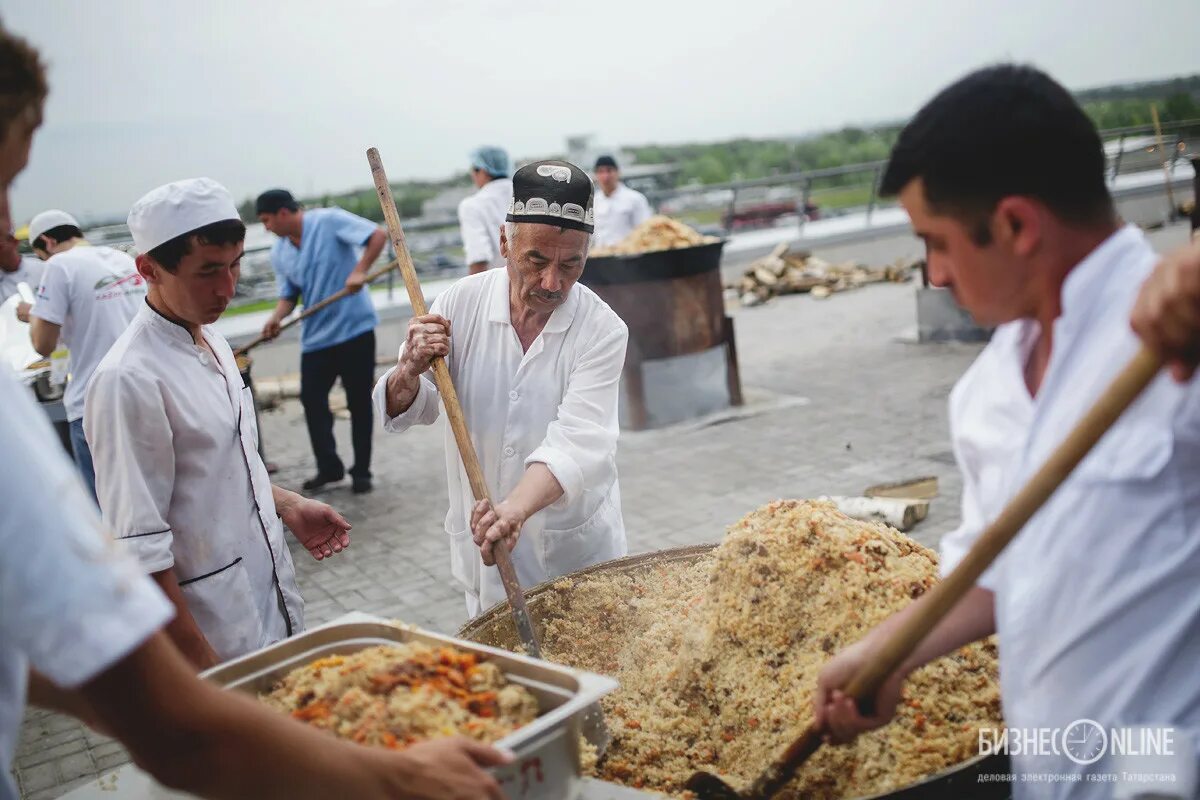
x: 784, y: 272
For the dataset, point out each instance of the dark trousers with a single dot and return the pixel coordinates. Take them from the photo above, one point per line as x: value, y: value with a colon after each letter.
x: 354, y: 362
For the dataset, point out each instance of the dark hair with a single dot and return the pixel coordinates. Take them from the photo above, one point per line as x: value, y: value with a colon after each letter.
x: 1003, y: 130
x: 22, y: 81
x: 60, y: 233
x: 172, y: 251
x: 273, y: 201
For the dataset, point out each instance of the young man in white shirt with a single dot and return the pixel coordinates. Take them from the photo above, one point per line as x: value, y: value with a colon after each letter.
x: 172, y: 427
x: 619, y: 209
x: 86, y: 298
x: 536, y: 360
x: 1094, y: 603
x: 481, y: 215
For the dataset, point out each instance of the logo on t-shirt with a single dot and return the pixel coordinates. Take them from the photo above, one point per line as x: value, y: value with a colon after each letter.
x: 112, y: 286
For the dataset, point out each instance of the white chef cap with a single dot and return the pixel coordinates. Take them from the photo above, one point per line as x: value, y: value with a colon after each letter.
x: 48, y: 220
x: 178, y: 208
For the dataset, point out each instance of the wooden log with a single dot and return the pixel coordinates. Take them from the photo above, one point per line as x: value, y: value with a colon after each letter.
x: 902, y: 514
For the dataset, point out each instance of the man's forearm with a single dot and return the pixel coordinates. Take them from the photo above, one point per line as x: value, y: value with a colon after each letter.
x: 971, y: 619
x: 402, y: 389
x: 197, y: 738
x: 537, y: 489
x: 282, y: 308
x: 44, y: 693
x: 371, y: 252
x: 284, y: 499
x: 43, y: 335
x: 183, y: 630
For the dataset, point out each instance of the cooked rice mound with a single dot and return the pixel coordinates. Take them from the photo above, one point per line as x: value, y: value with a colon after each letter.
x: 718, y: 659
x: 397, y: 695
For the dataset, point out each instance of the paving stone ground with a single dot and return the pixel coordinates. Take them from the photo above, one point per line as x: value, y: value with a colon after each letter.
x: 837, y: 402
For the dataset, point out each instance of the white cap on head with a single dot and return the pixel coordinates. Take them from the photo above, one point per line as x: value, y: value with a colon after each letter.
x: 178, y: 208
x: 48, y: 220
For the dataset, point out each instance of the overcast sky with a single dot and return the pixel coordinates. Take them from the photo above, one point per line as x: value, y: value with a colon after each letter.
x: 291, y: 93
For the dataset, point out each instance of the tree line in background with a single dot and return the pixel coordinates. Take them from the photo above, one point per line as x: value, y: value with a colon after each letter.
x: 1121, y: 106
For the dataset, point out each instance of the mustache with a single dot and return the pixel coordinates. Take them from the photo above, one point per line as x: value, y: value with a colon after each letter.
x: 543, y: 294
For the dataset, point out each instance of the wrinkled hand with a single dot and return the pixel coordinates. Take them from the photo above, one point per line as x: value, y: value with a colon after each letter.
x: 428, y: 338
x: 321, y: 530
x: 271, y: 328
x: 836, y: 712
x: 23, y: 311
x: 453, y: 769
x: 355, y: 281
x: 1167, y: 312
x: 490, y: 525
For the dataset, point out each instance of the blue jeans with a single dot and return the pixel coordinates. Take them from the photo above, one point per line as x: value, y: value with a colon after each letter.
x: 83, y: 456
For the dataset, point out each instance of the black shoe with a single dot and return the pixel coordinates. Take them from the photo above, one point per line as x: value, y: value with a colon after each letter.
x: 319, y: 481
x: 362, y: 485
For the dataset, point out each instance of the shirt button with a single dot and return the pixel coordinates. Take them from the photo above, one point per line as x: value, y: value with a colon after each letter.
x: 204, y: 359
x: 513, y: 395
x: 509, y: 452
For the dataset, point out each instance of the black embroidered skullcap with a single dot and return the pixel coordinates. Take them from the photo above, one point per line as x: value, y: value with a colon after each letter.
x: 552, y: 193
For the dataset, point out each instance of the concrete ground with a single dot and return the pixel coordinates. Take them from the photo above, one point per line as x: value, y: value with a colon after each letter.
x: 837, y: 400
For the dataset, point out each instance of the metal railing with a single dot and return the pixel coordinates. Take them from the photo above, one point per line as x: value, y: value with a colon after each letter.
x: 1135, y: 150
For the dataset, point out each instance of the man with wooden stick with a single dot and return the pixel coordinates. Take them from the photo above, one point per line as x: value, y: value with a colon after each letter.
x: 536, y: 361
x: 1094, y: 602
x: 318, y: 254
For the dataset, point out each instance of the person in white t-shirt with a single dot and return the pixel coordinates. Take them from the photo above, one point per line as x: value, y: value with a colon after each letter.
x: 619, y: 209
x: 481, y: 215
x: 86, y: 298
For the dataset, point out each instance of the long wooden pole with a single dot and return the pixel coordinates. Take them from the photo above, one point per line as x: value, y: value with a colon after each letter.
x: 315, y: 307
x: 1165, y: 162
x: 458, y: 423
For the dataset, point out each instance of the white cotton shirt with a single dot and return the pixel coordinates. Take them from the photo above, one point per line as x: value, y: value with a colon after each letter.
x: 71, y: 604
x: 555, y: 404
x: 1097, y: 610
x: 179, y: 479
x: 93, y: 293
x: 479, y: 219
x: 29, y: 272
x: 618, y: 215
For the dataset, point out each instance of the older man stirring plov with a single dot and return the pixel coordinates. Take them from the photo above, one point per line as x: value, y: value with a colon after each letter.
x: 536, y: 361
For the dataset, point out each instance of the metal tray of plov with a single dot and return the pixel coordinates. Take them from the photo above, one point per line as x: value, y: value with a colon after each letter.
x: 547, y: 761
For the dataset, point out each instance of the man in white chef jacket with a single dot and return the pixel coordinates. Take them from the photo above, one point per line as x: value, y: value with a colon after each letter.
x: 536, y: 360
x: 173, y: 433
x: 1095, y: 602
x: 619, y: 209
x: 481, y: 215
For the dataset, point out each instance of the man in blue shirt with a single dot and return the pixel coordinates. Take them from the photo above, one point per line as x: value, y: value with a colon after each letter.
x: 318, y: 253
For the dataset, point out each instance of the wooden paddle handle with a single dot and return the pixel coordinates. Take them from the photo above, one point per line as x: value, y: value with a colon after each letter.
x: 938, y: 601
x: 315, y: 307
x: 458, y: 423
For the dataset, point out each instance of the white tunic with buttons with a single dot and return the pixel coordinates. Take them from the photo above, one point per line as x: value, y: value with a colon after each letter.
x: 181, y: 484
x: 1096, y: 603
x: 555, y: 404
